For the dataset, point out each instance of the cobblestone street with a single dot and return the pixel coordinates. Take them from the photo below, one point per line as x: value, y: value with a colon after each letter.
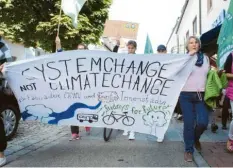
x: 40, y: 145
x: 34, y: 139
x: 32, y: 135
x: 47, y: 145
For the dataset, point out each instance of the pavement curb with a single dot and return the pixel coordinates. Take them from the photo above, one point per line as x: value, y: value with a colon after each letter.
x: 199, y: 160
x: 197, y: 157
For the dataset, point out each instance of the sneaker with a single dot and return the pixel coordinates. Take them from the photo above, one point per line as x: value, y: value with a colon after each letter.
x: 214, y: 128
x: 159, y: 140
x: 224, y: 127
x: 230, y: 145
x: 88, y: 130
x: 131, y: 135
x: 74, y: 137
x: 179, y: 117
x: 188, y: 157
x: 2, y: 161
x: 197, y: 145
x: 175, y: 115
x: 125, y: 133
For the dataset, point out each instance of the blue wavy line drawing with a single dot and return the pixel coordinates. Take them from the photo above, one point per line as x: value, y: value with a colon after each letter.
x: 69, y: 113
x: 58, y: 116
x: 25, y: 115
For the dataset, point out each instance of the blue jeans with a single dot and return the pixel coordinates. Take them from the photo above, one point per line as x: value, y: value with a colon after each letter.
x: 195, y: 117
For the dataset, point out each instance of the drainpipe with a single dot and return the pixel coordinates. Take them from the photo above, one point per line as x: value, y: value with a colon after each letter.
x: 200, y: 17
x: 178, y: 44
x: 184, y: 45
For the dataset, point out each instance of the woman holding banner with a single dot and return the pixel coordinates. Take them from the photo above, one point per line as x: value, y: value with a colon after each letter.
x: 74, y: 129
x: 195, y: 112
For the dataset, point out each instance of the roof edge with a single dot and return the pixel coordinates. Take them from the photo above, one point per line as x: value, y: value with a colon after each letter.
x: 173, y: 30
x: 182, y: 14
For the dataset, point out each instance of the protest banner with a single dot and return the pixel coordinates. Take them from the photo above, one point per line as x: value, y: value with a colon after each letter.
x: 101, y: 89
x: 225, y: 42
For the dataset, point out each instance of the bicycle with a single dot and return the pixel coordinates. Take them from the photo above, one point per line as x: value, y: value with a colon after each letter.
x: 111, y: 119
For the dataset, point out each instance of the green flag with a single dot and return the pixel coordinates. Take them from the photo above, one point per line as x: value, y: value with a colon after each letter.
x: 225, y: 39
x: 148, y: 47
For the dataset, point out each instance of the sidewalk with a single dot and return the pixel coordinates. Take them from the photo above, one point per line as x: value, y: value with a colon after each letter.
x: 216, y: 155
x: 214, y: 151
x: 214, y: 148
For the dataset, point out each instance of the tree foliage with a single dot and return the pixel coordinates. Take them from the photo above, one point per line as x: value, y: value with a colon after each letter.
x: 34, y: 23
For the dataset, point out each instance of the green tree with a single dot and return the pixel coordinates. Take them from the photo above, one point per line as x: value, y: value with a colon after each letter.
x: 34, y: 23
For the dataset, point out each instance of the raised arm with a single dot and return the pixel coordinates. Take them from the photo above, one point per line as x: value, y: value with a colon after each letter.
x: 58, y: 44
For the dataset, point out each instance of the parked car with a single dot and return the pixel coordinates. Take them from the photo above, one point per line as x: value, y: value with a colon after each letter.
x: 9, y: 110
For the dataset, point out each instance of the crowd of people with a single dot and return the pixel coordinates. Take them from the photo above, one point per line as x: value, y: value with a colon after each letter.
x: 191, y: 106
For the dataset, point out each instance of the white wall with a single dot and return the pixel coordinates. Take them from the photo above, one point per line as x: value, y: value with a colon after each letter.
x: 172, y: 41
x: 208, y: 18
x: 212, y: 15
x: 172, y: 44
x: 20, y: 52
x: 192, y: 11
x: 17, y: 50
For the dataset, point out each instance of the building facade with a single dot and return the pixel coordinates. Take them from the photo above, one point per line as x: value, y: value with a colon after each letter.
x: 197, y: 17
x: 19, y: 52
x: 214, y: 12
x: 173, y: 41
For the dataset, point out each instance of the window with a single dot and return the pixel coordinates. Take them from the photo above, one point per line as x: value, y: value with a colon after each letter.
x: 209, y: 4
x: 195, y: 26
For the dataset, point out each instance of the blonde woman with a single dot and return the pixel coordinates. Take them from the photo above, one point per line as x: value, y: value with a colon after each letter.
x: 195, y: 112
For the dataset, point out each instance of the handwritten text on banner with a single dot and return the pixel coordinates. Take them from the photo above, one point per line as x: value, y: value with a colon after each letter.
x: 101, y: 89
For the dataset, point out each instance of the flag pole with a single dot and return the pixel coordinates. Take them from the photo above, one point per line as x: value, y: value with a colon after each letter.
x: 59, y: 22
x: 58, y: 27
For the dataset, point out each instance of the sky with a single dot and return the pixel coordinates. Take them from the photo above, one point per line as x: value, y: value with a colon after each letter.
x: 156, y: 17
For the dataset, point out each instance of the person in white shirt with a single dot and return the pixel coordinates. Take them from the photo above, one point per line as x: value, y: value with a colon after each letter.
x: 132, y: 47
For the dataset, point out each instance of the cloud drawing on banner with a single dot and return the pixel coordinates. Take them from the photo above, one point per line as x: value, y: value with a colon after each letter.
x: 38, y: 112
x: 47, y: 115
